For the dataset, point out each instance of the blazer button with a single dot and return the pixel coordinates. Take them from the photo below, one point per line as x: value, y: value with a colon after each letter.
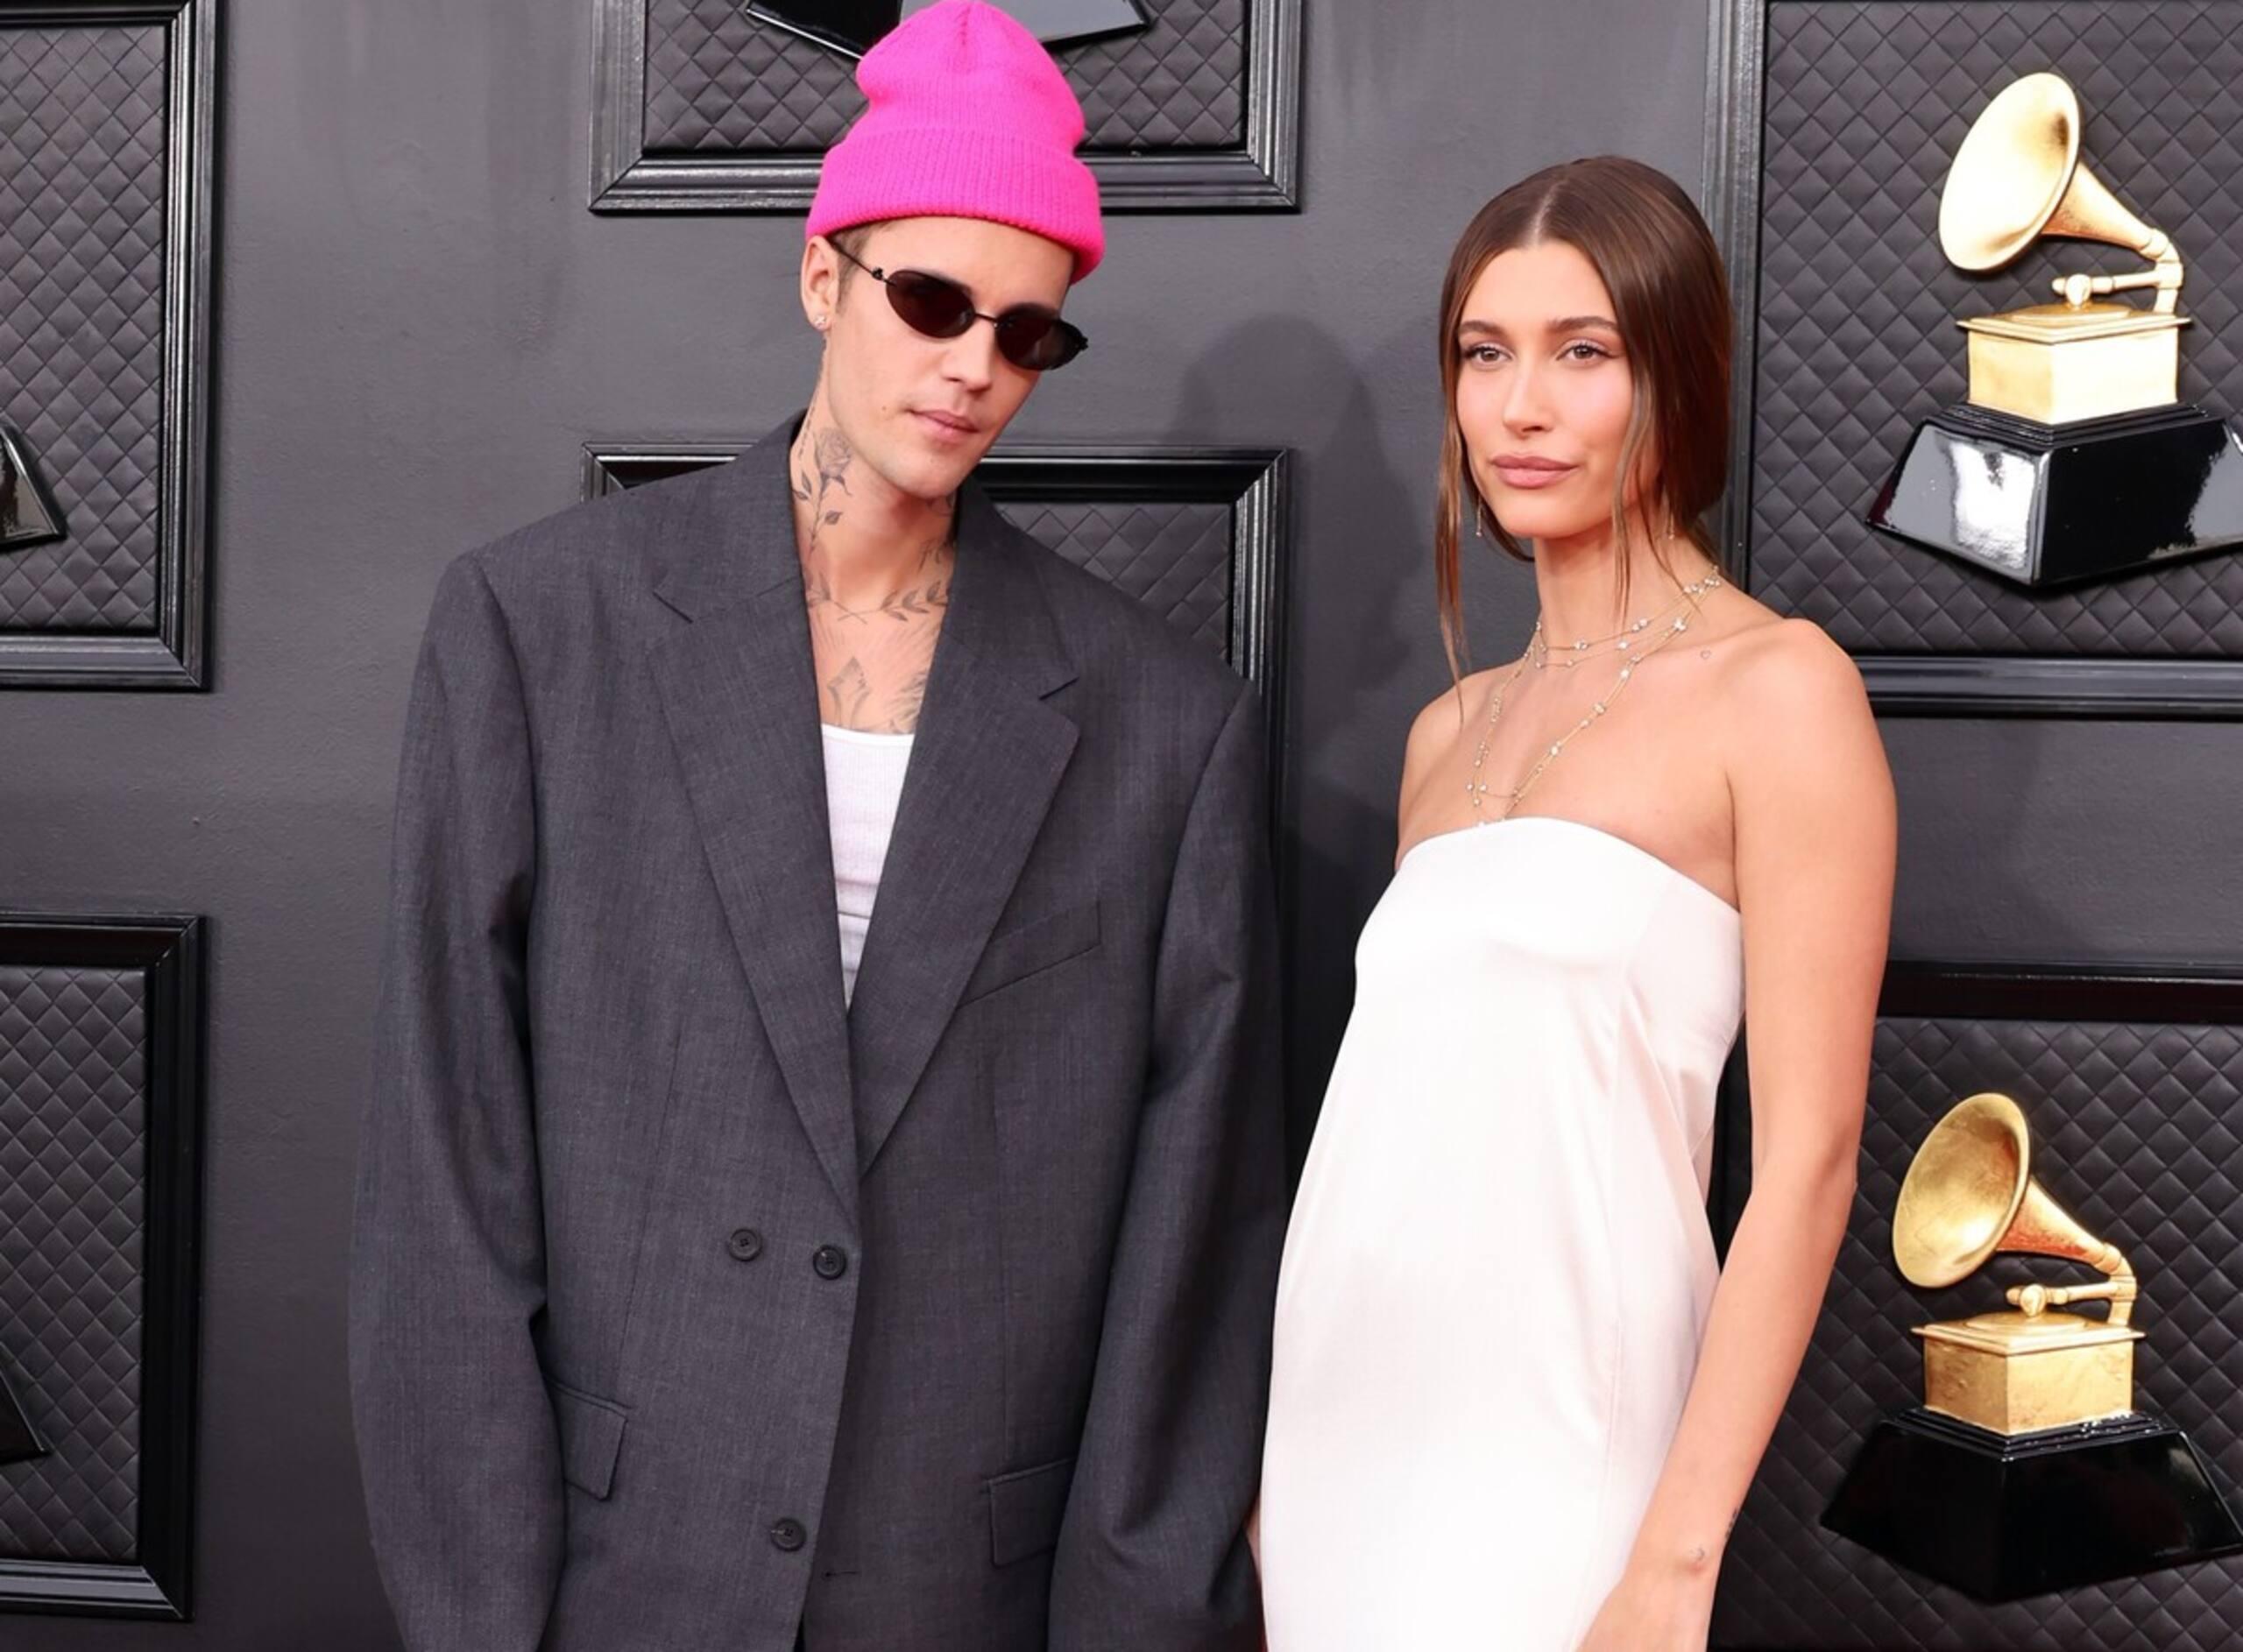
x: 745, y: 1244
x: 788, y: 1535
x: 831, y: 1261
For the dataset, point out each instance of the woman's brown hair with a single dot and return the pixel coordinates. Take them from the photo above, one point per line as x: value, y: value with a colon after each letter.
x: 1670, y: 297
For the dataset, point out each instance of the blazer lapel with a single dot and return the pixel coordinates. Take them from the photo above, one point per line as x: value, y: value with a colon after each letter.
x: 989, y: 755
x: 738, y: 693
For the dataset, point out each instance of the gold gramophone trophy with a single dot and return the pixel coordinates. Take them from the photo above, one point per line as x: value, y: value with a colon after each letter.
x: 2028, y: 1467
x: 2074, y: 458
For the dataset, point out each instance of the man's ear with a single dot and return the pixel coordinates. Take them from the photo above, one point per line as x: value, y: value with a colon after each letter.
x: 821, y: 282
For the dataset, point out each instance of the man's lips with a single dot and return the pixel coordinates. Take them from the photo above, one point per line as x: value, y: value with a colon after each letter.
x: 945, y: 423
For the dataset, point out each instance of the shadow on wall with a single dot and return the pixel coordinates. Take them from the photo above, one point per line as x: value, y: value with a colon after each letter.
x: 1346, y: 491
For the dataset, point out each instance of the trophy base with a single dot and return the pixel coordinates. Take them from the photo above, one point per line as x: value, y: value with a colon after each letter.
x: 20, y: 1441
x: 2046, y: 505
x: 2002, y: 1518
x: 28, y: 515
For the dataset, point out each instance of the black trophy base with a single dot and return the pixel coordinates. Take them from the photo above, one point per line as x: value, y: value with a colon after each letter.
x: 2046, y: 505
x: 2004, y: 1518
x: 20, y: 1441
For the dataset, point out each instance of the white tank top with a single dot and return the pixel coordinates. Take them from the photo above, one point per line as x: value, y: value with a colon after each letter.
x: 863, y: 781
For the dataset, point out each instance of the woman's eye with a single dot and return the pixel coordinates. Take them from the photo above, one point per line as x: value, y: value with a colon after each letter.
x: 1583, y: 350
x: 1482, y: 355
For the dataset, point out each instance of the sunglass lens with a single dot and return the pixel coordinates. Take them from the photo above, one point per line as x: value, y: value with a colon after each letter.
x: 1037, y: 343
x: 929, y: 304
x: 1031, y: 339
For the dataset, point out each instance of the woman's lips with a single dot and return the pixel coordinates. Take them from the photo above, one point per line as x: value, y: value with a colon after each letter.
x: 1530, y: 473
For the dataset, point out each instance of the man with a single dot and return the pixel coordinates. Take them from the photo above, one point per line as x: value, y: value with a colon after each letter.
x: 744, y: 1264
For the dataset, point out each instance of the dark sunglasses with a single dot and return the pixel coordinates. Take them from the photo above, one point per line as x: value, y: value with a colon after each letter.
x: 1031, y: 338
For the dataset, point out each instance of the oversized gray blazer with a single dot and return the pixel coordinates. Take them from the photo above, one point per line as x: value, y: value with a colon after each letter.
x: 689, y: 1307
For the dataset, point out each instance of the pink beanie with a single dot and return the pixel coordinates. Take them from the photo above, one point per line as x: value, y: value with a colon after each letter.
x: 967, y: 116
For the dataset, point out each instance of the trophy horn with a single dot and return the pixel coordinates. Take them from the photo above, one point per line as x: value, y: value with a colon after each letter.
x: 1970, y: 1192
x: 2018, y: 176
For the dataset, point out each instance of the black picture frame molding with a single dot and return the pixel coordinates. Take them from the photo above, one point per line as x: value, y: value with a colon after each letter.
x: 1256, y: 482
x: 176, y: 655
x: 1261, y: 175
x: 169, y: 952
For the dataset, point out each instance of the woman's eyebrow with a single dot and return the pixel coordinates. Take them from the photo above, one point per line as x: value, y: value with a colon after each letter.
x: 1563, y: 324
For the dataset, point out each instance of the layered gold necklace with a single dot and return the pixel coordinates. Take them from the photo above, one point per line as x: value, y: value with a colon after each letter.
x: 1633, y: 644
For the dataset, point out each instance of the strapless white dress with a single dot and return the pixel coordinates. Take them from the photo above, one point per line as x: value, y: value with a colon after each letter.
x: 1499, y: 1266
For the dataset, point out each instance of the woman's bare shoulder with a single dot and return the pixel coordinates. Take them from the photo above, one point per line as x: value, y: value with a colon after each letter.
x: 1798, y: 718
x: 1443, y: 719
x: 1439, y: 720
x: 1789, y: 667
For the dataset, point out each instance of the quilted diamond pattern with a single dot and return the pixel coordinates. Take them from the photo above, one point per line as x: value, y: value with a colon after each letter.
x: 82, y: 235
x: 71, y: 1221
x: 1865, y: 104
x: 2138, y: 1131
x: 1179, y: 85
x: 718, y: 80
x: 1173, y: 557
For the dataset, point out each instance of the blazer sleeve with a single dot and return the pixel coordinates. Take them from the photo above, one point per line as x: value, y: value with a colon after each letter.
x: 457, y: 1438
x: 1152, y: 1550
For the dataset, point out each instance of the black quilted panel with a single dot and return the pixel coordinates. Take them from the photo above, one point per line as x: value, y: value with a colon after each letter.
x: 2138, y: 1131
x: 718, y: 82
x: 72, y: 1214
x: 81, y: 315
x: 1865, y: 105
x: 1179, y: 85
x: 1173, y: 557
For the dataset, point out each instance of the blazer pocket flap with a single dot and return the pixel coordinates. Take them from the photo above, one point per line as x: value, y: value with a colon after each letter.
x: 1036, y: 945
x: 1025, y: 1509
x: 591, y: 1434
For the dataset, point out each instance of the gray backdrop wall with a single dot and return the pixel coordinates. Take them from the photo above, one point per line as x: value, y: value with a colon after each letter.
x: 419, y: 323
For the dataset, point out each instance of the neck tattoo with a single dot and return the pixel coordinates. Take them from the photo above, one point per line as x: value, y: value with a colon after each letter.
x: 874, y: 652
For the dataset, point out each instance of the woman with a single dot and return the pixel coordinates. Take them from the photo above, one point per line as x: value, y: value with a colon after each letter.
x: 1516, y: 1404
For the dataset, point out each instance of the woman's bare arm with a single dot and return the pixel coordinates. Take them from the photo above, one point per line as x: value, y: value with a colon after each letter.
x: 1814, y: 840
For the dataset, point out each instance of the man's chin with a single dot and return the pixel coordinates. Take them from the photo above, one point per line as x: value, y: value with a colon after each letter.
x: 932, y: 478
